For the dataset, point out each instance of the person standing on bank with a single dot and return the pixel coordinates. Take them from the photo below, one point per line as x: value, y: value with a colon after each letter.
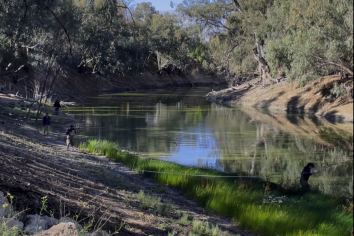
x: 56, y: 107
x: 305, y: 175
x: 46, y: 123
x: 70, y: 133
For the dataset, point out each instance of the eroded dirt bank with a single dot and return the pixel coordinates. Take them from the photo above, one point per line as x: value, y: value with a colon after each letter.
x: 83, y: 84
x: 315, y: 97
x: 93, y: 83
x: 33, y: 166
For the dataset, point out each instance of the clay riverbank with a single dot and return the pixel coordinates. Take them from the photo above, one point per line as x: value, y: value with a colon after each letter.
x: 317, y: 97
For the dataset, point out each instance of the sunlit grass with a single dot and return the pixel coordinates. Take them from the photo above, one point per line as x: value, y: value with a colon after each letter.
x: 159, y: 154
x: 312, y: 214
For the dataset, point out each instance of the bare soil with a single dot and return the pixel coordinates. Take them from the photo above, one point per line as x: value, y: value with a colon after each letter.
x: 315, y: 97
x: 33, y: 166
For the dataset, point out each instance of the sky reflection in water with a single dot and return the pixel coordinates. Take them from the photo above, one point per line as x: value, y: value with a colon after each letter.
x: 180, y: 126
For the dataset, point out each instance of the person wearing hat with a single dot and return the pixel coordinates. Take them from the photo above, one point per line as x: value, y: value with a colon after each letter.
x: 70, y: 133
x: 305, y: 175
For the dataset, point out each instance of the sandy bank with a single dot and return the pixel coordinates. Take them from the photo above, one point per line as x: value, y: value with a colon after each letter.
x: 315, y: 98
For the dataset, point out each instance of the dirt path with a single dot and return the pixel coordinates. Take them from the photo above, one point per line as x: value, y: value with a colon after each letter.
x: 33, y: 166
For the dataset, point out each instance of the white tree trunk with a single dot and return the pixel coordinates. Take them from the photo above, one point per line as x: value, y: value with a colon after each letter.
x: 263, y: 68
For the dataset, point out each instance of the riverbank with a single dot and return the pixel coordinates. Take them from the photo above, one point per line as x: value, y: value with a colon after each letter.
x: 251, y: 202
x: 317, y: 97
x: 85, y: 183
x: 102, y: 193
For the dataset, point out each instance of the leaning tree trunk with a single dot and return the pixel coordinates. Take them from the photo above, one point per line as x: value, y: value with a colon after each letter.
x: 263, y: 68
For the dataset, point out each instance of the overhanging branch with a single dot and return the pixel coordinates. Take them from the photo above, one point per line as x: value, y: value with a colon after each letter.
x: 350, y: 71
x: 59, y: 22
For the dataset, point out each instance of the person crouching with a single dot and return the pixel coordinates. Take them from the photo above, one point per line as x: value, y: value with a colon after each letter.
x: 70, y: 134
x: 305, y: 176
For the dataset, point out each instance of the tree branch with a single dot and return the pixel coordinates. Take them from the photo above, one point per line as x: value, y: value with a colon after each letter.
x: 350, y: 71
x: 127, y: 8
x: 57, y: 19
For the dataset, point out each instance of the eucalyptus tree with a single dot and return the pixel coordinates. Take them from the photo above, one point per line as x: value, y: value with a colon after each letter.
x: 233, y: 27
x: 310, y: 38
x: 167, y: 41
x: 36, y: 37
x: 292, y: 38
x: 104, y: 37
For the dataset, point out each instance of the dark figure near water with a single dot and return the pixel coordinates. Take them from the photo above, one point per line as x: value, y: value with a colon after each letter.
x: 70, y: 134
x: 305, y: 175
x: 56, y: 107
x: 46, y: 123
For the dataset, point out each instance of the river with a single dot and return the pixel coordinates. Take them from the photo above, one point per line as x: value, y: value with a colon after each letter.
x: 181, y: 126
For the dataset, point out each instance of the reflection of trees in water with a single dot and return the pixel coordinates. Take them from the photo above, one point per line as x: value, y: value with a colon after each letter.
x: 243, y: 143
x: 259, y: 148
x: 153, y: 129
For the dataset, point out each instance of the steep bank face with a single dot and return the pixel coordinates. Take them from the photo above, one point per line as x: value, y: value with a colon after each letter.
x: 315, y: 97
x: 93, y: 83
x: 83, y: 84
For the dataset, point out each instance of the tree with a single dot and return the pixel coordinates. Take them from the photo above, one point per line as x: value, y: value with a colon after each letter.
x: 292, y: 38
x: 311, y: 38
x: 233, y: 30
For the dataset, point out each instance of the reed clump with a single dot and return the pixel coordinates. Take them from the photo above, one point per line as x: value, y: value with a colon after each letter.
x: 243, y: 200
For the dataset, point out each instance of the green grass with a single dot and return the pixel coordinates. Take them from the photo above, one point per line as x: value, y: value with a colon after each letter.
x: 6, y: 231
x: 306, y: 214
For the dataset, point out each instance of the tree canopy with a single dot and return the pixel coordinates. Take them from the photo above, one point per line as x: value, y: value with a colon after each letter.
x: 302, y: 39
x: 298, y: 39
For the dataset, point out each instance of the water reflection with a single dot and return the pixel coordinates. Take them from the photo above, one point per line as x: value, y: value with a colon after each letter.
x: 181, y: 126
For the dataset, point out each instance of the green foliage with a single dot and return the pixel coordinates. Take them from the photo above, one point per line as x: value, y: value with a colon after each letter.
x: 95, y: 35
x: 303, y: 39
x: 338, y: 90
x: 200, y: 53
x: 148, y: 201
x: 185, y: 219
x: 310, y: 38
x: 203, y: 228
x: 5, y: 231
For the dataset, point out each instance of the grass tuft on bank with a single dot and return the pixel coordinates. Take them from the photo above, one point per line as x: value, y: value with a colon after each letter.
x: 240, y: 198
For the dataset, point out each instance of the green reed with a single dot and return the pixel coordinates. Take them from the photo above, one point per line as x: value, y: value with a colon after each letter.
x: 241, y: 199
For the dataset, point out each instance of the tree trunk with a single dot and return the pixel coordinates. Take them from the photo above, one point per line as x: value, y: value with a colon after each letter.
x: 50, y: 89
x: 158, y: 61
x: 43, y: 90
x: 263, y: 68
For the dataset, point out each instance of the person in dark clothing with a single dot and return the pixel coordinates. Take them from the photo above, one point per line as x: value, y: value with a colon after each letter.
x: 56, y: 107
x: 305, y: 175
x: 70, y: 133
x: 46, y: 123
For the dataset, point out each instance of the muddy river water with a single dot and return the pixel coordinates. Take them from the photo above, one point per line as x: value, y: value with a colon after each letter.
x: 181, y: 126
